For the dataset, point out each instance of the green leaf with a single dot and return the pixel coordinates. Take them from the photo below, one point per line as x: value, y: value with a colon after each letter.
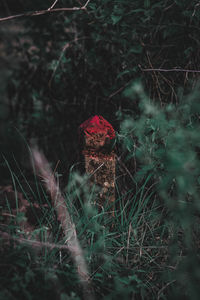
x: 115, y: 19
x: 136, y: 49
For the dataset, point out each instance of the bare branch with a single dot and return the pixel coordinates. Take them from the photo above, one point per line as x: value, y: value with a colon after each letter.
x: 45, y: 11
x: 52, y: 6
x: 119, y: 90
x: 169, y: 70
x: 86, y: 4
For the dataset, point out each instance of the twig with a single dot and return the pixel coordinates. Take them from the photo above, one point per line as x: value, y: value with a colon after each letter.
x: 86, y: 4
x: 155, y: 77
x: 169, y: 70
x: 128, y: 242
x: 126, y: 169
x: 52, y: 5
x: 119, y: 90
x: 68, y: 227
x: 66, y: 46
x: 45, y: 11
x: 33, y: 243
x: 164, y: 287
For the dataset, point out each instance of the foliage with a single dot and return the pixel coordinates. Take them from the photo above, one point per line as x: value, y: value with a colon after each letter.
x: 150, y: 249
x: 68, y: 66
x: 112, y: 248
x: 57, y: 70
x: 168, y: 148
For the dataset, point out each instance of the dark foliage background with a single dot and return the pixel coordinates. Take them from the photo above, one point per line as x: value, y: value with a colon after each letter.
x: 58, y: 69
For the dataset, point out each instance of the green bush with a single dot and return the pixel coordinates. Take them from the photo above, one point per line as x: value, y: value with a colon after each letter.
x: 167, y: 146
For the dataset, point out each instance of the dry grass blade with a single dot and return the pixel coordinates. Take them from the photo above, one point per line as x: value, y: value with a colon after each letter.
x: 44, y: 171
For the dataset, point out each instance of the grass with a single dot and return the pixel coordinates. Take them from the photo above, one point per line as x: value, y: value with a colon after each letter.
x: 116, y: 249
x: 135, y: 255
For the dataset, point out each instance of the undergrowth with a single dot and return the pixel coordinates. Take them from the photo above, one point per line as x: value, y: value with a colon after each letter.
x: 116, y: 249
x: 148, y: 250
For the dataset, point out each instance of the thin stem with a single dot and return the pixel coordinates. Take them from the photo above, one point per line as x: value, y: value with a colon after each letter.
x: 169, y: 70
x: 52, y: 6
x: 45, y: 11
